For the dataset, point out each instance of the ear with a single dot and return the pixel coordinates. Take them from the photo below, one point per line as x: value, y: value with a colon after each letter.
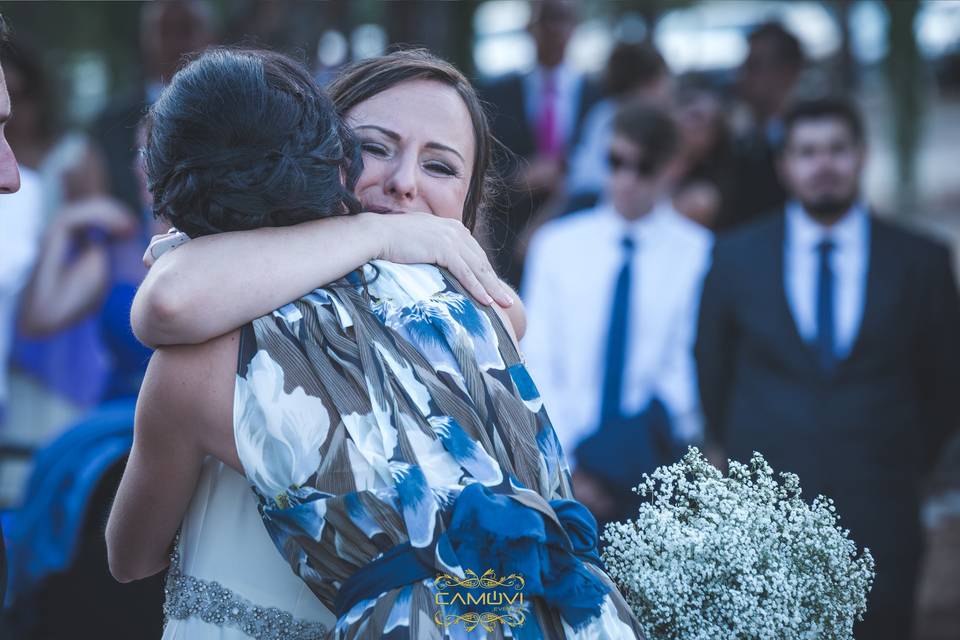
x: 864, y: 151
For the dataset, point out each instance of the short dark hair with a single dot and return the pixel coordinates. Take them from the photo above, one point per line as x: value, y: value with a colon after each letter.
x: 649, y: 127
x: 788, y: 48
x: 632, y: 65
x: 364, y: 79
x: 242, y: 139
x: 824, y: 107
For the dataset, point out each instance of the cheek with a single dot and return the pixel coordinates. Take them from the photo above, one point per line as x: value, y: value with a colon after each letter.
x: 445, y: 198
x: 801, y: 169
x: 849, y: 165
x: 622, y: 185
x: 371, y: 176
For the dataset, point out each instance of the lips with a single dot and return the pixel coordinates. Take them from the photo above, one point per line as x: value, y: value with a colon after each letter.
x: 380, y: 209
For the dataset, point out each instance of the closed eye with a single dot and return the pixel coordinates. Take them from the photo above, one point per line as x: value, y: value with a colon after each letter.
x: 440, y: 167
x: 374, y: 149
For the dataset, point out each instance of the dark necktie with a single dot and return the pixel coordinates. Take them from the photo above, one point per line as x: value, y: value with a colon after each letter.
x: 826, y: 343
x: 548, y: 141
x: 616, y: 353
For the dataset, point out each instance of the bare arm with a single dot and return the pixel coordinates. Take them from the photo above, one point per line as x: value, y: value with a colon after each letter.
x: 63, y: 290
x: 217, y: 283
x: 184, y: 413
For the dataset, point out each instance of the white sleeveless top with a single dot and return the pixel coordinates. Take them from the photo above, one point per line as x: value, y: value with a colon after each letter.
x: 227, y: 580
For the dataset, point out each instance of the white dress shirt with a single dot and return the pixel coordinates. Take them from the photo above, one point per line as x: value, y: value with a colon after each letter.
x: 21, y: 215
x: 568, y: 288
x: 849, y: 261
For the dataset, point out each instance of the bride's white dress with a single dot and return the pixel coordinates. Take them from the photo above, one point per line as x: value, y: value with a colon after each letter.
x: 229, y: 581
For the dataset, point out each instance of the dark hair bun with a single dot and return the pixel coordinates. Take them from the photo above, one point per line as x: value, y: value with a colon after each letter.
x: 242, y: 139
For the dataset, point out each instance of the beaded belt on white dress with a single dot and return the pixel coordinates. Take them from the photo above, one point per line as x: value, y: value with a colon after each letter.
x: 188, y: 597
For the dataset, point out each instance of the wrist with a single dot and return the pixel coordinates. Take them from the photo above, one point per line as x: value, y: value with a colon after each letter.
x: 368, y: 227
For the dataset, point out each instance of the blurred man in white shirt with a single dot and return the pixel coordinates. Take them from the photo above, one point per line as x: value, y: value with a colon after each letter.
x: 611, y: 295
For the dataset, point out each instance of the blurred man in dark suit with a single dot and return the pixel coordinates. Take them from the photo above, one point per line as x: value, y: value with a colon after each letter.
x: 168, y: 31
x: 766, y: 81
x: 537, y: 116
x: 829, y: 341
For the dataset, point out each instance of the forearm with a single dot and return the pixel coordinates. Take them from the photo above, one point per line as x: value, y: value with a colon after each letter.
x: 148, y: 508
x: 161, y: 473
x: 60, y: 290
x: 134, y: 551
x: 214, y: 284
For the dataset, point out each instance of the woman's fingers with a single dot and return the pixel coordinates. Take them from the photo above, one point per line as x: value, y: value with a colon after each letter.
x: 490, y: 281
x: 423, y: 237
x: 465, y: 274
x: 479, y: 262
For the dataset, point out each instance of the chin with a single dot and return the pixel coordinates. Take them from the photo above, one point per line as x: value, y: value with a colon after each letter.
x: 829, y: 205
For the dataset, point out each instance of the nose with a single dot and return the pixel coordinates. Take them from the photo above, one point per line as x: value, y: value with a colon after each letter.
x: 401, y: 184
x: 9, y: 172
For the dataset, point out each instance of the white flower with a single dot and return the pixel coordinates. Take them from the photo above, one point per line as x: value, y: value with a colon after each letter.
x: 436, y: 462
x: 374, y: 441
x: 278, y: 434
x: 741, y: 556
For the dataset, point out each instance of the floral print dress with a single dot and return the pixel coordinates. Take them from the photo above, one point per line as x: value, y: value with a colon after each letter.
x: 365, y: 411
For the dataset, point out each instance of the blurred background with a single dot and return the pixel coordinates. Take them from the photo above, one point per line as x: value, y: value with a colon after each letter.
x: 81, y: 73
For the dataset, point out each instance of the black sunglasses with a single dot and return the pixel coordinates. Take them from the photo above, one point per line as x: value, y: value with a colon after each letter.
x: 644, y: 168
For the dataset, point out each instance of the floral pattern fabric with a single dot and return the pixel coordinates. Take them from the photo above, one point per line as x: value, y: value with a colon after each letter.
x: 363, y: 409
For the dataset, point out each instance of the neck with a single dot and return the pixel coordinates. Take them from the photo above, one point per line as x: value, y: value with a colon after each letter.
x: 633, y: 216
x: 828, y: 218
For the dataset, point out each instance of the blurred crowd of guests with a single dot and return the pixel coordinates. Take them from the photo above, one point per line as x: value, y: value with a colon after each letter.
x: 681, y: 286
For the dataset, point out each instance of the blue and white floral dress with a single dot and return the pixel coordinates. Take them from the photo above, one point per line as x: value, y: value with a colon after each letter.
x: 399, y: 450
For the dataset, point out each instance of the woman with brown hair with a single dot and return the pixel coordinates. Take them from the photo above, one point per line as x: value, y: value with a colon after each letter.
x: 385, y: 422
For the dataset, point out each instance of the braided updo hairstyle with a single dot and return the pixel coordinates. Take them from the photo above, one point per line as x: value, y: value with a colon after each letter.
x: 244, y: 138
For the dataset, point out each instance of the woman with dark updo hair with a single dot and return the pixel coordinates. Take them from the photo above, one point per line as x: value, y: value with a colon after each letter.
x: 393, y: 439
x: 240, y: 139
x: 270, y: 151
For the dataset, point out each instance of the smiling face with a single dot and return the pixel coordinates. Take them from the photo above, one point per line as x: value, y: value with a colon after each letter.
x: 418, y: 148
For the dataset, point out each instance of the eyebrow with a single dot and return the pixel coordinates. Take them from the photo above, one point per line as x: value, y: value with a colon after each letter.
x: 393, y: 135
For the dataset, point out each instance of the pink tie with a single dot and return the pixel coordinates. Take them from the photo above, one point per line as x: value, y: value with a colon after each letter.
x: 548, y: 140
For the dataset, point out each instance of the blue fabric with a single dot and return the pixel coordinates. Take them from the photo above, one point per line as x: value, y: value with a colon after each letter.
x: 397, y: 567
x: 826, y: 349
x: 129, y: 358
x: 71, y: 363
x: 617, y: 337
x: 43, y: 533
x: 491, y: 531
x: 624, y: 448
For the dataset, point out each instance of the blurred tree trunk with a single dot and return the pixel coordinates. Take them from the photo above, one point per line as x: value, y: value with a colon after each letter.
x: 848, y: 66
x: 445, y: 28
x: 904, y: 74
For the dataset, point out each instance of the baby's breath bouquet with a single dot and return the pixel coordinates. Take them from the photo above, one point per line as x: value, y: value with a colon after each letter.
x: 742, y: 556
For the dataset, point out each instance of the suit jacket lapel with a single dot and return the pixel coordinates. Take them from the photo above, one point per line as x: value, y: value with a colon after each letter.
x: 880, y: 273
